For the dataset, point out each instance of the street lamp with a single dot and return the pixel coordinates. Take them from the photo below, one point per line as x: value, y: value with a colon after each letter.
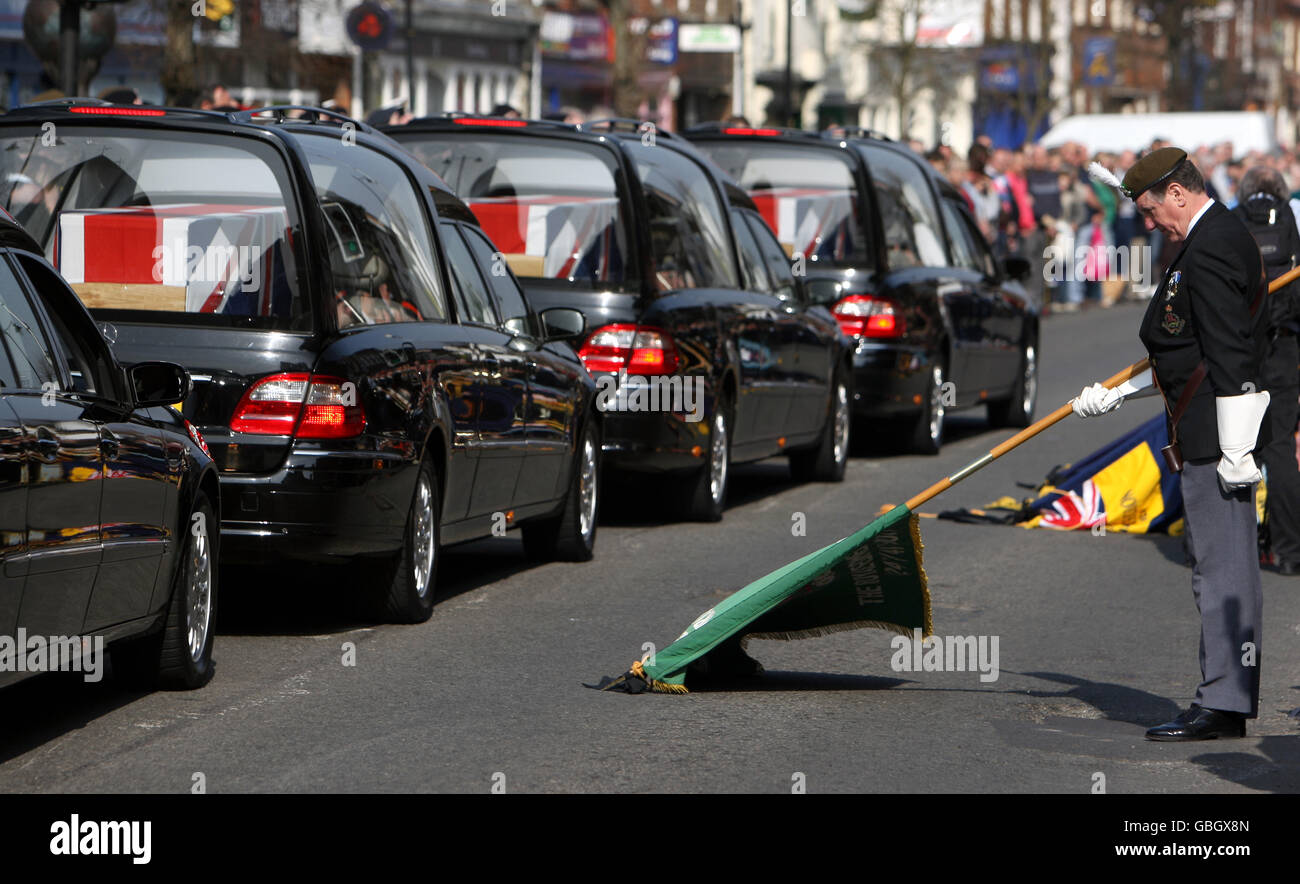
x: 410, y: 57
x: 789, y: 74
x: 69, y: 22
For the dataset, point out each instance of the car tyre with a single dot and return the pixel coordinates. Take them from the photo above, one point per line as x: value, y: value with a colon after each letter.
x: 571, y: 536
x: 927, y: 432
x: 704, y: 494
x: 180, y: 656
x: 827, y: 461
x: 1018, y: 410
x: 404, y: 593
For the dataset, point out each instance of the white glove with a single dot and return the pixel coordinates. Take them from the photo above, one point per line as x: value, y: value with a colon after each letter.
x: 1096, y: 400
x: 1239, y: 418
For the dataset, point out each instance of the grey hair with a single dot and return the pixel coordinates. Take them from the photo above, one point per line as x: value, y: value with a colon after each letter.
x: 1263, y: 179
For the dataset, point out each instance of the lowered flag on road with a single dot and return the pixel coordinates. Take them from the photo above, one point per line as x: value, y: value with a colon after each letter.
x: 873, y: 578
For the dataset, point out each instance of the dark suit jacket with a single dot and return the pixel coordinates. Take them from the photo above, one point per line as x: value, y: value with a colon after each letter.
x: 1202, y: 311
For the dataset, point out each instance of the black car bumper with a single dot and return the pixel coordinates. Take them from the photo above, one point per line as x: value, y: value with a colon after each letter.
x: 654, y: 442
x: 319, y: 506
x: 890, y: 380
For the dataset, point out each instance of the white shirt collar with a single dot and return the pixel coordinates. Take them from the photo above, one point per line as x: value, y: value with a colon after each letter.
x: 1197, y: 216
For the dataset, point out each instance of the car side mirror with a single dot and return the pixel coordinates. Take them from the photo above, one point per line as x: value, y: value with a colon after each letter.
x: 797, y: 297
x: 158, y: 383
x: 822, y: 292
x: 1016, y: 267
x: 563, y: 323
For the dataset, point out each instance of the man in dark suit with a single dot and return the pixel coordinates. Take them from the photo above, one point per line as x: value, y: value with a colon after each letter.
x: 1206, y: 335
x: 1263, y: 207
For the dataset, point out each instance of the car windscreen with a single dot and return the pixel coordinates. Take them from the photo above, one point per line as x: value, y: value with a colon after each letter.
x: 160, y: 226
x: 551, y: 207
x: 807, y: 195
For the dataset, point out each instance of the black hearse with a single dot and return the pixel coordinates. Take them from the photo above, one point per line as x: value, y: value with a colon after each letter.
x: 889, y: 246
x: 370, y: 385
x: 682, y: 285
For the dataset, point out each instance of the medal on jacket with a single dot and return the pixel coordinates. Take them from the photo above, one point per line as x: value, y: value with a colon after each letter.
x: 1172, y: 323
x: 1171, y: 288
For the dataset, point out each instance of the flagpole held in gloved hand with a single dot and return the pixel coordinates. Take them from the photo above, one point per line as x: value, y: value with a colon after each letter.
x: 1020, y: 438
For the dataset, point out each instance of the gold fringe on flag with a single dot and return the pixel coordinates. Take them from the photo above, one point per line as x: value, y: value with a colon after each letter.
x: 659, y: 687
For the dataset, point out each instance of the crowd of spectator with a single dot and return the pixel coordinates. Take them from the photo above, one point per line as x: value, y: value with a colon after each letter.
x: 1085, y: 243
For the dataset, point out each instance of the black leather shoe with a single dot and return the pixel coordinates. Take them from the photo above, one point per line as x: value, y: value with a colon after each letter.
x: 1199, y: 723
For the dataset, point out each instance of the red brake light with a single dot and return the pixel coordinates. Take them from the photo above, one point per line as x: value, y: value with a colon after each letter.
x: 300, y: 405
x: 869, y: 316
x: 119, y: 111
x: 742, y: 131
x: 489, y: 121
x: 634, y: 349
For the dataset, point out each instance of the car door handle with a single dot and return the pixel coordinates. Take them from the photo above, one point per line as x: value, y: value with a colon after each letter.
x: 109, y: 446
x: 47, y: 448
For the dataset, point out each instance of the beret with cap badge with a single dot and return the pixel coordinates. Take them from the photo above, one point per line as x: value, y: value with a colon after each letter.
x: 1152, y: 169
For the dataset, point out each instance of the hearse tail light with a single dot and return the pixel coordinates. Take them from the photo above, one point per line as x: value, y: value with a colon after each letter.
x: 634, y: 349
x: 490, y: 121
x: 300, y: 405
x: 742, y: 131
x: 100, y: 110
x: 869, y: 316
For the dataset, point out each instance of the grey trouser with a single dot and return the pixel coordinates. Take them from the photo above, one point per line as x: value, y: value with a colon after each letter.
x: 1222, y: 541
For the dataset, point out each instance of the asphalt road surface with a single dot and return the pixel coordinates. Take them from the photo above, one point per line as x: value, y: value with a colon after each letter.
x: 1097, y: 640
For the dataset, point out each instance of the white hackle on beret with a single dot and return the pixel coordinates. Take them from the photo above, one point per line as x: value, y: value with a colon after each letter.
x: 1104, y: 175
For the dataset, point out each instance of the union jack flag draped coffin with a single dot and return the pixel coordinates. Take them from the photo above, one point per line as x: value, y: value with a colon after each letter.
x: 809, y: 220
x: 191, y: 257
x: 566, y: 237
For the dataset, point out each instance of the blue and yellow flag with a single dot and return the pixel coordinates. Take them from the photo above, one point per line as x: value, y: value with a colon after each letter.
x: 1123, y: 485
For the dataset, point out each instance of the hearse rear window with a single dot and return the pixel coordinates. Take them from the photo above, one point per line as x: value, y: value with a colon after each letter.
x: 551, y: 208
x: 163, y: 227
x: 805, y: 194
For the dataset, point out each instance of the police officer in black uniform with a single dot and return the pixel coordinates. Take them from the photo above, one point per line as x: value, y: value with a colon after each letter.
x: 1206, y: 335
